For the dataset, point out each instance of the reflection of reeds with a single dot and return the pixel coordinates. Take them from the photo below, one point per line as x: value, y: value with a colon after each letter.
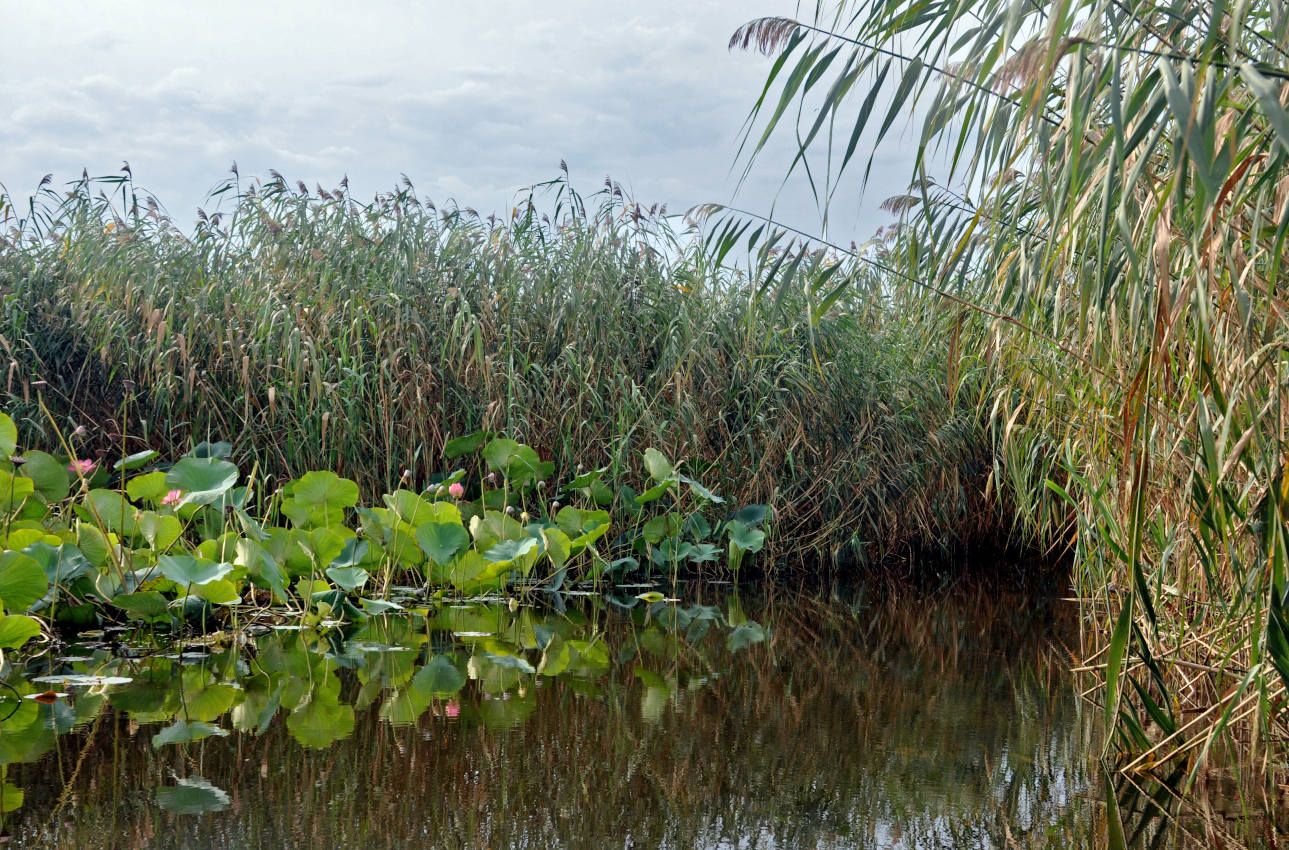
x: 883, y: 723
x: 316, y: 333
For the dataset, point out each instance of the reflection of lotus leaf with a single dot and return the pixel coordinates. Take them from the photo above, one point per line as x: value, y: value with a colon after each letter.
x: 81, y: 680
x: 183, y: 732
x: 192, y: 796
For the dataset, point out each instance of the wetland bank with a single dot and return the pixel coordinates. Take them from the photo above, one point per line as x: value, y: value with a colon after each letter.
x: 394, y: 523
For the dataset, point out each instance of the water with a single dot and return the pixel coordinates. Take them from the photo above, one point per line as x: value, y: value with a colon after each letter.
x: 717, y: 722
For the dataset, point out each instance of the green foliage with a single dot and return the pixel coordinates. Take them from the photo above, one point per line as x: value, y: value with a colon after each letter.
x: 372, y: 340
x: 102, y: 554
x: 1114, y: 270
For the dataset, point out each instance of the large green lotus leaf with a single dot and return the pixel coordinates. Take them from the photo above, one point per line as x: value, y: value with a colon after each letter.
x: 8, y: 436
x: 192, y: 796
x: 184, y: 732
x: 10, y: 798
x: 660, y: 469
x: 752, y: 515
x: 22, y: 581
x: 441, y: 541
x: 414, y: 510
x: 662, y: 527
x: 221, y: 591
x: 136, y: 460
x: 113, y: 510
x: 208, y: 449
x: 62, y: 564
x: 92, y: 543
x: 325, y: 544
x: 348, y: 578
x: 14, y: 490
x: 439, y: 677
x: 202, y: 480
x: 16, y: 629
x: 558, y: 546
x: 143, y: 605
x: 48, y: 474
x: 516, y: 461
x: 458, y: 446
x: 185, y: 570
x: 576, y: 522
x: 325, y: 490
x: 151, y: 487
x: 160, y: 530
x: 286, y: 548
x: 509, y: 550
x: 261, y: 566
x: 493, y: 527
x: 462, y: 573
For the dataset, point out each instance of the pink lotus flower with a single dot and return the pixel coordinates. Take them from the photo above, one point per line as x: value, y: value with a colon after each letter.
x: 172, y: 498
x: 457, y: 490
x: 83, y: 468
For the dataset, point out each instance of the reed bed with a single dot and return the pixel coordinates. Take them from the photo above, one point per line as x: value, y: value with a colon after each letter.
x: 1110, y: 229
x: 317, y: 332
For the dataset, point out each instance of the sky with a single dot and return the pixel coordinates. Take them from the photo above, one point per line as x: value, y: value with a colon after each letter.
x: 471, y: 100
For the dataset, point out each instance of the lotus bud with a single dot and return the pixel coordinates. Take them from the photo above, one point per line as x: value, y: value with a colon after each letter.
x: 457, y: 489
x: 510, y: 509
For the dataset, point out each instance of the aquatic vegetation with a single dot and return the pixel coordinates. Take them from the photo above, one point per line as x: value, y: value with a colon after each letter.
x: 321, y: 332
x: 573, y: 722
x: 167, y: 543
x: 1106, y: 252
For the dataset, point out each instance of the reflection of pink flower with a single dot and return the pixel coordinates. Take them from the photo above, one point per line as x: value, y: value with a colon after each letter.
x: 452, y: 709
x: 457, y: 490
x: 172, y: 498
x: 84, y: 468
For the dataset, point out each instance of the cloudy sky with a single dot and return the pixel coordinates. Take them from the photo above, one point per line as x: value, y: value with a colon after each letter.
x: 472, y: 100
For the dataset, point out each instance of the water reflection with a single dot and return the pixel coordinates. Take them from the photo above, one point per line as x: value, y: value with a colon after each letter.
x: 719, y: 722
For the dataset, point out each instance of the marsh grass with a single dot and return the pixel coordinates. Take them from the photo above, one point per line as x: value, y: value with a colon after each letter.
x: 317, y: 332
x: 1112, y: 230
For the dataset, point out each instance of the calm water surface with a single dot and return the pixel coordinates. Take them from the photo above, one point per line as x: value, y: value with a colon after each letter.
x: 717, y: 721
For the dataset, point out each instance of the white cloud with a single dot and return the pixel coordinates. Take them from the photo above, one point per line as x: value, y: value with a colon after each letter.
x: 472, y: 101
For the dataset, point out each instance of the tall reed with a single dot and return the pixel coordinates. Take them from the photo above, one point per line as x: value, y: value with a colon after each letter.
x: 1111, y: 232
x: 317, y: 332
